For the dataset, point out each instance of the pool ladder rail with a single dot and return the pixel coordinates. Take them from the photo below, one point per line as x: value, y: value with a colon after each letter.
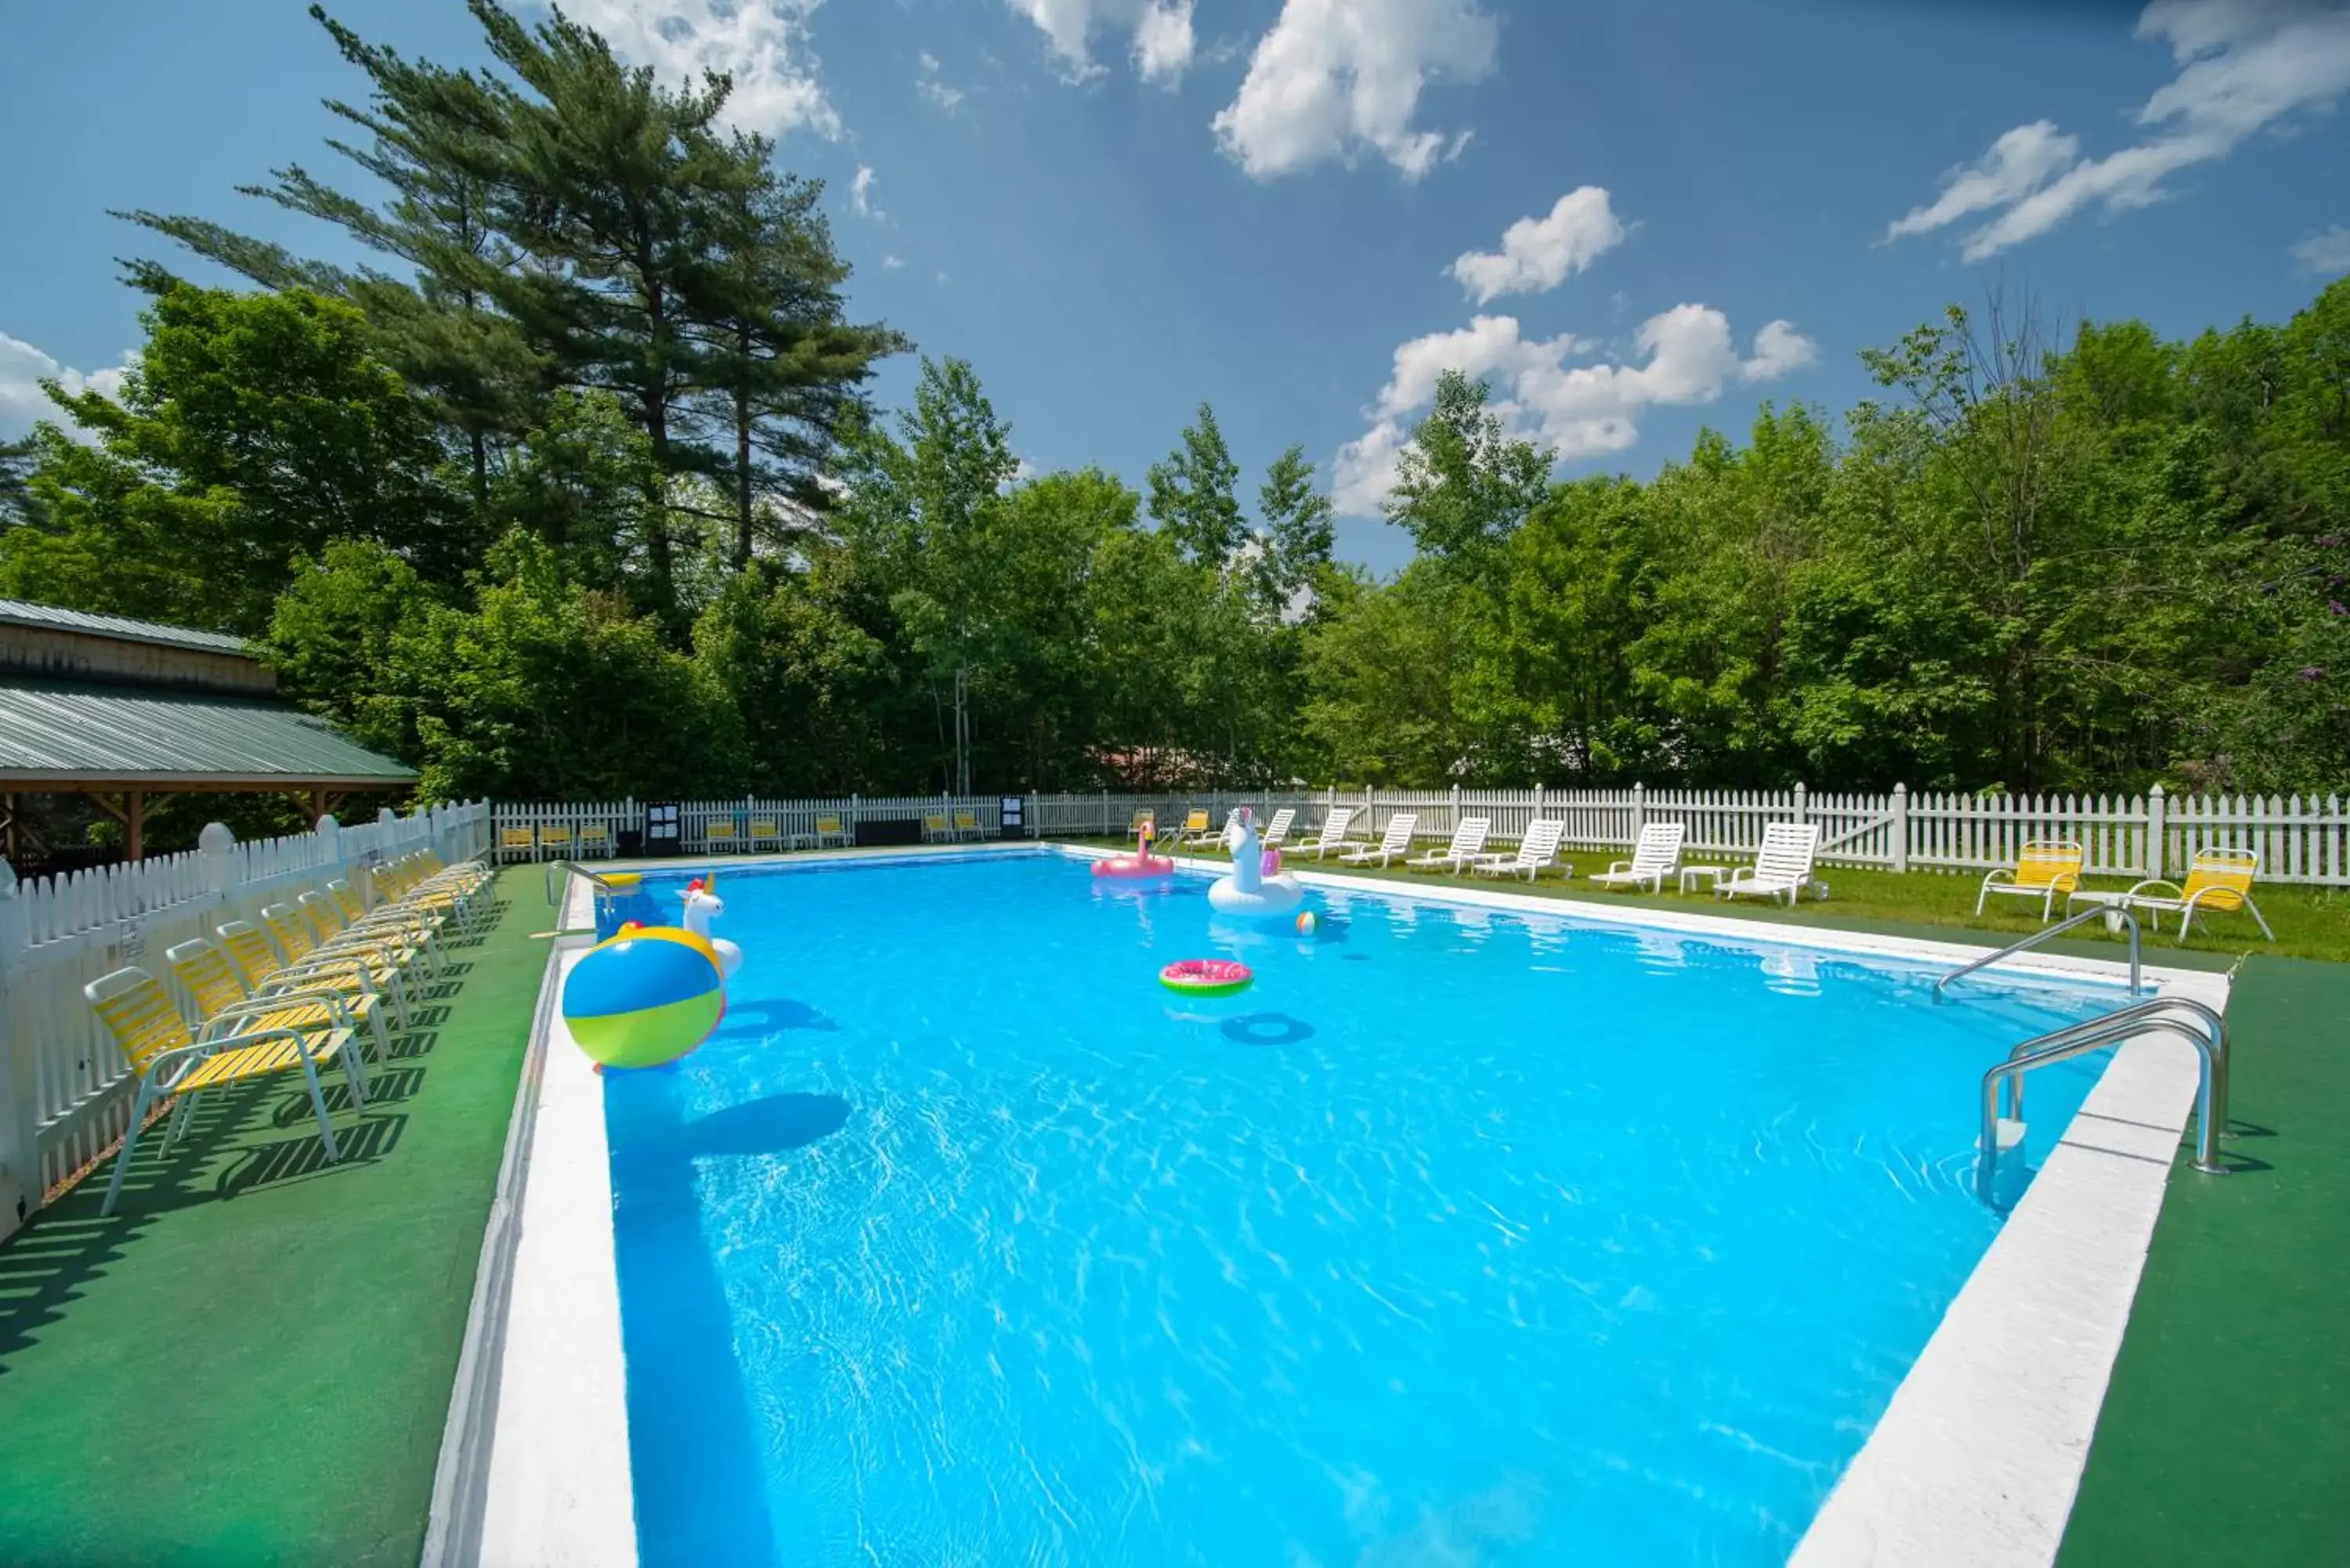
x: 2200, y: 1026
x: 557, y: 877
x: 2106, y: 913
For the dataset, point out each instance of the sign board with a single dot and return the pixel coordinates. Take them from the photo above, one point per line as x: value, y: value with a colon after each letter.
x: 1014, y: 808
x: 132, y: 938
x: 662, y: 829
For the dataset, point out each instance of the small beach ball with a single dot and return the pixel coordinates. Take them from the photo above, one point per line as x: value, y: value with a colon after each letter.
x: 1305, y: 922
x: 644, y: 998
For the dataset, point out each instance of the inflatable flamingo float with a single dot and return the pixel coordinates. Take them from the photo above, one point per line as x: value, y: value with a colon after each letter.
x: 1139, y: 867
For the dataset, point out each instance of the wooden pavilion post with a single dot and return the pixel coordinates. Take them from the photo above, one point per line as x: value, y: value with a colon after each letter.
x: 134, y: 823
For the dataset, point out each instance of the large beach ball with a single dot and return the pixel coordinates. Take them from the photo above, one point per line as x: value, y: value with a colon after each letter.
x: 647, y: 996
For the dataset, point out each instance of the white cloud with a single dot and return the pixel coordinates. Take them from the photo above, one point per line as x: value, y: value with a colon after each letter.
x: 860, y: 196
x: 891, y: 264
x: 1336, y: 77
x: 927, y: 83
x: 2019, y: 163
x: 1160, y: 31
x: 2244, y: 66
x: 1539, y: 254
x: 1573, y: 410
x: 2326, y: 252
x: 762, y: 43
x: 23, y: 368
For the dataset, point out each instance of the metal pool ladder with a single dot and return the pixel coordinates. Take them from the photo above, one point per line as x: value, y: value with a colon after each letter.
x: 2200, y: 1026
x: 2106, y: 911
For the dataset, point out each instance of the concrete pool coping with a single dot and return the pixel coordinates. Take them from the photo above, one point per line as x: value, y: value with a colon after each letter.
x: 1975, y: 1460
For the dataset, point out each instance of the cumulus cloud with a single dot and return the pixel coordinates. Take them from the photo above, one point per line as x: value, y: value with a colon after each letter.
x: 1337, y: 78
x: 2244, y: 66
x: 1539, y: 254
x: 762, y: 43
x: 1159, y: 32
x: 892, y: 263
x: 927, y: 83
x: 2325, y: 254
x: 1684, y: 356
x: 23, y: 368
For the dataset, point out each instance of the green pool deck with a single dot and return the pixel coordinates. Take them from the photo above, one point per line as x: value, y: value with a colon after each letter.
x: 249, y: 1363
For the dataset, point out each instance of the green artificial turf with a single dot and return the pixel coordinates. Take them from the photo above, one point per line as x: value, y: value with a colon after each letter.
x: 249, y: 1363
x: 2225, y: 1436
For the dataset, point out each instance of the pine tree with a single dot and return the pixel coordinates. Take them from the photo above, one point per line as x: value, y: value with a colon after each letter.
x: 1192, y: 494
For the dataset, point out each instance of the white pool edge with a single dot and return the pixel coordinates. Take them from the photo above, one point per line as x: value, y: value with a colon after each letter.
x: 1975, y: 1461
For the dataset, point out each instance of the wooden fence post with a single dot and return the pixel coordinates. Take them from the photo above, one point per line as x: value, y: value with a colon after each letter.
x: 1901, y: 828
x: 2156, y: 815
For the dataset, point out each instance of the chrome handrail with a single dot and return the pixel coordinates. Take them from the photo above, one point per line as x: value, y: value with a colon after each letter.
x: 554, y: 889
x: 2094, y: 1034
x: 2108, y: 910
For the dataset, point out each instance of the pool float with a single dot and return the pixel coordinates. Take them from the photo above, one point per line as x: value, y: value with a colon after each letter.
x: 1139, y: 867
x: 701, y: 906
x: 1207, y: 976
x: 647, y: 996
x: 1256, y: 884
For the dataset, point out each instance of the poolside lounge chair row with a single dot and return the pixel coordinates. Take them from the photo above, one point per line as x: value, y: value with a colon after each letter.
x: 290, y: 994
x: 560, y: 841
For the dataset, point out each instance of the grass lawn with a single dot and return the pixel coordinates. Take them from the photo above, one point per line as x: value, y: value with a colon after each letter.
x: 249, y: 1363
x: 2310, y: 922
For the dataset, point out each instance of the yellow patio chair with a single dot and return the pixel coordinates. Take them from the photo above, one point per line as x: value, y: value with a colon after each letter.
x: 2216, y: 879
x: 828, y: 830
x: 416, y: 926
x: 371, y: 959
x: 171, y: 1064
x: 2044, y: 868
x: 224, y: 999
x: 935, y: 829
x: 397, y: 944
x: 718, y: 835
x: 595, y: 839
x: 554, y: 840
x: 1195, y: 831
x: 350, y: 983
x: 516, y: 842
x: 966, y: 826
x: 763, y: 830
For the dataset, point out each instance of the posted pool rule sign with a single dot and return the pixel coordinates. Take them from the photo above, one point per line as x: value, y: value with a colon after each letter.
x: 1013, y: 809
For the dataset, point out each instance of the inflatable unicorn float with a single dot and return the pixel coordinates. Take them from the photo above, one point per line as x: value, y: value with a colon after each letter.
x: 1256, y: 884
x: 701, y: 906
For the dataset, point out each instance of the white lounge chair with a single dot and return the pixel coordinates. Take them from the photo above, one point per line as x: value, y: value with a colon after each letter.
x: 1783, y: 867
x: 1398, y: 841
x: 1468, y: 845
x: 1333, y: 831
x: 1277, y: 830
x: 1537, y: 849
x: 1657, y: 857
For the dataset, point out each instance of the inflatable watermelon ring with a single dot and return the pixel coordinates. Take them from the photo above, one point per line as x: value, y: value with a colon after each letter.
x: 1207, y: 976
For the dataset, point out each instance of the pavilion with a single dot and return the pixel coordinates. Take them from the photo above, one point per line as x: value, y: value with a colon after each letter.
x: 120, y: 710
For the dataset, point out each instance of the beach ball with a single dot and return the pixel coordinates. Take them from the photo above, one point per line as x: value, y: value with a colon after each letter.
x: 1305, y: 922
x: 646, y: 997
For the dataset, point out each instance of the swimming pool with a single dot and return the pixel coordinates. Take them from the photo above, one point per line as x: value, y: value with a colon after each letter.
x: 1465, y: 1235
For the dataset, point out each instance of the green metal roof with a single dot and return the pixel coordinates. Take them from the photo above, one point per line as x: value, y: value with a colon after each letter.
x: 23, y: 612
x: 69, y: 734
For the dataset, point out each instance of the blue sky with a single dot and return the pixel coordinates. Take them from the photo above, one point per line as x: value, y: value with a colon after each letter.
x: 1302, y: 209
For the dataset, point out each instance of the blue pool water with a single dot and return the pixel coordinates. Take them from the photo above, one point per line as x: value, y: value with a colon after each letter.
x: 1463, y: 1238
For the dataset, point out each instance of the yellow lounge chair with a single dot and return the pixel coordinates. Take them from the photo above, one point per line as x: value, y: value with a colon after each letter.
x: 349, y: 982
x: 966, y: 826
x: 827, y: 830
x: 718, y: 835
x: 416, y: 927
x: 2044, y: 869
x: 1196, y: 833
x: 765, y: 830
x: 172, y: 1064
x: 224, y: 998
x: 554, y: 840
x: 935, y: 829
x: 2216, y: 879
x: 516, y: 842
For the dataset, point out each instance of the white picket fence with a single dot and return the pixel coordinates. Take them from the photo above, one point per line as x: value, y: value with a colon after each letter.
x: 2299, y: 839
x: 788, y: 819
x: 64, y: 1087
